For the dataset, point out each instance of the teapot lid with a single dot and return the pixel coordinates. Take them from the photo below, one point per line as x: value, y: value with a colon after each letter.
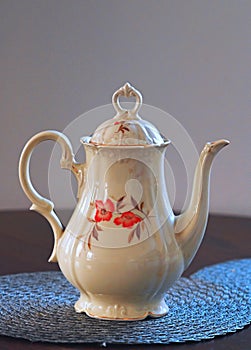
x: 127, y: 128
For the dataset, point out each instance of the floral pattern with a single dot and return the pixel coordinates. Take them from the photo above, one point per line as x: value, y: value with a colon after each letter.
x: 104, y: 210
x: 108, y: 211
x: 127, y: 219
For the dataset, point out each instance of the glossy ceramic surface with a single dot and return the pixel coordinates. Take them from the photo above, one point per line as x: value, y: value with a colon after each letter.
x: 123, y: 246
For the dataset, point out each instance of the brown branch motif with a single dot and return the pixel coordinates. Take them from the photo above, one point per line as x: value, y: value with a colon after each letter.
x: 123, y: 127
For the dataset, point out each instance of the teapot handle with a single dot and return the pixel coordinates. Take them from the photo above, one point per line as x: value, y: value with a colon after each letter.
x: 40, y: 204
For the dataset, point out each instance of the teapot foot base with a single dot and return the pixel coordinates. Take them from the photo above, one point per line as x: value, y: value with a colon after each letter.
x: 100, y: 309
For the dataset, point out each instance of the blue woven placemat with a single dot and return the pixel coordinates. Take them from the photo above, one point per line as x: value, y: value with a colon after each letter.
x: 214, y: 301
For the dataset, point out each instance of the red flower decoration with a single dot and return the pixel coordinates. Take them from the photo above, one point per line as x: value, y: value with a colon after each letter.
x: 104, y: 210
x: 127, y: 219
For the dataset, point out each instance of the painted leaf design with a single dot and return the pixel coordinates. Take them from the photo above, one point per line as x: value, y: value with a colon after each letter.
x: 126, y: 128
x: 98, y: 228
x: 119, y: 204
x: 142, y: 225
x: 141, y: 205
x: 95, y: 233
x: 138, y: 231
x: 131, y: 235
x: 120, y: 199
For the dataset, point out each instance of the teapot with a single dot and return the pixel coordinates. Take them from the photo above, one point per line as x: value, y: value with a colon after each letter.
x: 123, y: 247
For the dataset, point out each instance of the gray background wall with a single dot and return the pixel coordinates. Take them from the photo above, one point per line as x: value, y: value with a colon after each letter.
x: 61, y: 58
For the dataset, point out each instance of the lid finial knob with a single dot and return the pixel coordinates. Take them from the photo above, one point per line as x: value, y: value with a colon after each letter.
x: 127, y: 91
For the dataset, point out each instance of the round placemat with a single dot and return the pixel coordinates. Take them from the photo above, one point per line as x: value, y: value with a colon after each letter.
x: 214, y: 301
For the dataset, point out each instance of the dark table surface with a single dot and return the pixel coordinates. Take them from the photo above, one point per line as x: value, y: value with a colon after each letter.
x: 26, y: 242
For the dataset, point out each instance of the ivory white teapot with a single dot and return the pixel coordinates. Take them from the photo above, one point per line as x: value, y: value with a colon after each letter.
x: 123, y: 247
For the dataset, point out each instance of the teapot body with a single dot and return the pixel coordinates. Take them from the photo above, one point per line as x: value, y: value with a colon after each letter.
x: 119, y: 247
x: 123, y: 247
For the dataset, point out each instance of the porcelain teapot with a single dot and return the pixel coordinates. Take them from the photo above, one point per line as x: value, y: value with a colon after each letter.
x: 123, y: 246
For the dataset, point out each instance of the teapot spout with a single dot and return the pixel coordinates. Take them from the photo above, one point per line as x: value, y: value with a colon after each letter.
x: 190, y: 226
